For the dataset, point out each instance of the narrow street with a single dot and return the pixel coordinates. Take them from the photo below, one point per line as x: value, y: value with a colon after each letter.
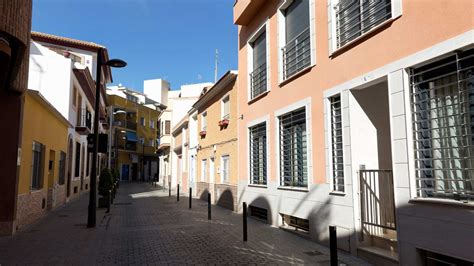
x: 145, y: 226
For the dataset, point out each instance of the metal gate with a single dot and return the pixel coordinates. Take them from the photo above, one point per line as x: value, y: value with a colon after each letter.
x: 377, y: 201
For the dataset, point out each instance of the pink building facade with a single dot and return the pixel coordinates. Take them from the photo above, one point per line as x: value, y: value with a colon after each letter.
x: 360, y: 114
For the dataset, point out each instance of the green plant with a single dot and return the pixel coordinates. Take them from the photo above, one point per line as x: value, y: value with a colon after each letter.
x: 115, y: 175
x: 105, y: 182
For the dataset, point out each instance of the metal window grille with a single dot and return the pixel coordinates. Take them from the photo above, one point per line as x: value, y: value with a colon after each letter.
x: 62, y: 168
x: 337, y: 145
x: 37, y: 166
x: 293, y: 149
x: 258, y: 77
x: 78, y: 159
x: 225, y: 168
x: 297, y: 54
x: 258, y: 154
x: 442, y: 104
x: 356, y: 17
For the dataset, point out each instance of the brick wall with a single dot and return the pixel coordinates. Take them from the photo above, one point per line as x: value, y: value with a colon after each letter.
x: 30, y: 207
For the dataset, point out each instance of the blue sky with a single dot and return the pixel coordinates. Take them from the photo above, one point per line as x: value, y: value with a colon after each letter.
x: 171, y: 39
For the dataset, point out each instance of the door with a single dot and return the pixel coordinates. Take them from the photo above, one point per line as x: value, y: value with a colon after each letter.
x: 125, y: 172
x: 134, y: 171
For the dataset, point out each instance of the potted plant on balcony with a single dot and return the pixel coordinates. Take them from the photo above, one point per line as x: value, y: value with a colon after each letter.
x: 224, y: 122
x: 202, y: 133
x: 105, y: 186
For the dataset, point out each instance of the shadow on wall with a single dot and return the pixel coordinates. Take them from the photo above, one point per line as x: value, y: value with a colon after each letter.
x: 203, y: 194
x: 261, y: 202
x: 226, y: 200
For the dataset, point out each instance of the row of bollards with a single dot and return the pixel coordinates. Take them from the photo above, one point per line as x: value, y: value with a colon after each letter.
x: 332, y: 229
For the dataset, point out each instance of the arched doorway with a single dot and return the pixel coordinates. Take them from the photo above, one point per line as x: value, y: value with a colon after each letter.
x: 69, y: 167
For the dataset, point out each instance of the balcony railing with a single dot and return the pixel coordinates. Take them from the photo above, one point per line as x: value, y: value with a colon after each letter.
x: 126, y: 124
x: 258, y: 80
x: 128, y: 146
x: 84, y: 121
x: 297, y: 54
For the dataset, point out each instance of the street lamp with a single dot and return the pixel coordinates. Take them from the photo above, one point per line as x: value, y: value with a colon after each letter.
x: 113, y: 129
x: 91, y: 216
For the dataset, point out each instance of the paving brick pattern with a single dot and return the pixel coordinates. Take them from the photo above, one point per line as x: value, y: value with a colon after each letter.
x: 145, y: 226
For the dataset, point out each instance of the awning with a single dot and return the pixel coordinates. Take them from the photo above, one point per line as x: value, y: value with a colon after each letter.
x: 131, y: 136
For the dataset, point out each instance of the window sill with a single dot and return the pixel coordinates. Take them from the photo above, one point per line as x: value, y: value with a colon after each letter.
x: 448, y: 202
x: 337, y: 193
x: 300, y: 189
x: 257, y: 186
x: 261, y: 95
x: 296, y: 75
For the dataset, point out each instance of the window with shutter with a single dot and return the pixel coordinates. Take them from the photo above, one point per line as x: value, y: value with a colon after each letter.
x: 167, y: 127
x: 297, y: 49
x: 226, y: 108
x: 258, y: 75
x: 37, y: 166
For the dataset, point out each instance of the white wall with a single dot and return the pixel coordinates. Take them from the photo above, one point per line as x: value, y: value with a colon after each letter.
x: 157, y: 90
x: 50, y: 74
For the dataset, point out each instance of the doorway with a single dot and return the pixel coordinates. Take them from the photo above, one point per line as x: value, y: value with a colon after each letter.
x: 125, y: 172
x: 134, y: 171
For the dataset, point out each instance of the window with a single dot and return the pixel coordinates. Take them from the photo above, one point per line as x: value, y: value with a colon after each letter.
x: 167, y: 127
x: 204, y: 170
x: 142, y: 121
x: 204, y: 121
x: 356, y: 17
x: 77, y: 165
x: 258, y: 154
x: 336, y: 144
x: 62, y: 168
x: 37, y: 166
x: 293, y: 149
x: 258, y: 69
x: 442, y: 105
x: 435, y: 259
x: 152, y: 123
x: 225, y: 168
x: 297, y: 44
x: 225, y: 107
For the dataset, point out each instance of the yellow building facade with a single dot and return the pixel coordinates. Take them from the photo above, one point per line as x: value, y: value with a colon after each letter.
x: 42, y: 181
x: 217, y: 171
x: 133, y: 136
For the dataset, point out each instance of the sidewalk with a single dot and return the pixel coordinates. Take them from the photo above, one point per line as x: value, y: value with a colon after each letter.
x: 145, y: 226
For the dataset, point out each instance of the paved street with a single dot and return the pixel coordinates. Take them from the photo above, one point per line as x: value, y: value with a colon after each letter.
x: 145, y: 226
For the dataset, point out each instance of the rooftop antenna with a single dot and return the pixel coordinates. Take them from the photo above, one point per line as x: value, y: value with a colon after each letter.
x: 215, y: 68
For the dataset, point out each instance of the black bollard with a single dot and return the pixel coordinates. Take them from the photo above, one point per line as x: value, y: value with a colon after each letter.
x: 209, y: 206
x: 190, y: 197
x: 244, y: 221
x: 177, y: 193
x: 169, y: 189
x: 333, y: 245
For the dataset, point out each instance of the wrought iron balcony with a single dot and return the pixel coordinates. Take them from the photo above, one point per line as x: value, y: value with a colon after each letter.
x: 297, y: 54
x: 258, y: 81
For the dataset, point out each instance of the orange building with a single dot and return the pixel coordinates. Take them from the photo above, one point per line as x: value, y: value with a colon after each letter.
x: 359, y: 114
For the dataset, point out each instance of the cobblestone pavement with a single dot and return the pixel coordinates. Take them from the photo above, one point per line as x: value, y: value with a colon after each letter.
x: 145, y: 226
